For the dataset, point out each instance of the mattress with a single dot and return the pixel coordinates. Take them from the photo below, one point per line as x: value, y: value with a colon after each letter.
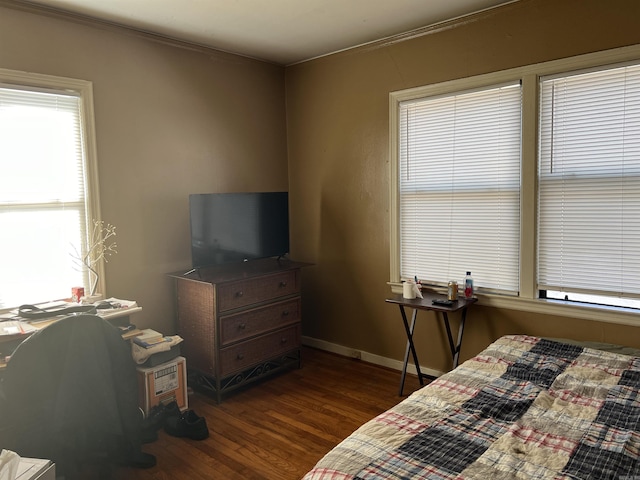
x: 524, y: 408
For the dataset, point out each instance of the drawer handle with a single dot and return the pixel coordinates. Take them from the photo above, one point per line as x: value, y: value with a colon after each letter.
x: 242, y: 326
x: 240, y: 356
x: 283, y: 340
x: 285, y: 313
x: 283, y: 284
x: 239, y: 294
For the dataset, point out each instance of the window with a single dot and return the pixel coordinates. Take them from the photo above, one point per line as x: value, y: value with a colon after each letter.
x: 460, y: 187
x: 589, y: 185
x: 49, y: 192
x: 552, y: 210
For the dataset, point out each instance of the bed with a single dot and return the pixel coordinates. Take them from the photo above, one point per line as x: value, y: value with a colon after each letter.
x: 524, y: 408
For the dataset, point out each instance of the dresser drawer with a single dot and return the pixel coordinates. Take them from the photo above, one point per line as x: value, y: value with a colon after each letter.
x: 242, y: 355
x: 255, y: 290
x: 254, y: 322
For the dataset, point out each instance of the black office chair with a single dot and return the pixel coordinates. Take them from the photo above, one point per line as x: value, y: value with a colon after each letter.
x: 70, y: 395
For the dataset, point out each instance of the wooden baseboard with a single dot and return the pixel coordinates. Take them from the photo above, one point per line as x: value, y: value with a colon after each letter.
x: 366, y: 356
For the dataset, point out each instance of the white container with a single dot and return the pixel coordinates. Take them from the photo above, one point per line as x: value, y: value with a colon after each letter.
x: 91, y: 299
x: 409, y: 289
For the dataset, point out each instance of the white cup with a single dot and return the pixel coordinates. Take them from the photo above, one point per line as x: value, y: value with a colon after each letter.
x: 408, y: 289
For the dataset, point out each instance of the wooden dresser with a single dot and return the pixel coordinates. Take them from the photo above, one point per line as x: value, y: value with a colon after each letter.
x: 240, y: 322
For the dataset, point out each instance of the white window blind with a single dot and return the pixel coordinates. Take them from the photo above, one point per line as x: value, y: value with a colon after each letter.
x: 42, y: 198
x: 459, y: 183
x: 589, y: 182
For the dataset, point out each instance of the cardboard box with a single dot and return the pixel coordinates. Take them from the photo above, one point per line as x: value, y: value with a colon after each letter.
x: 163, y: 383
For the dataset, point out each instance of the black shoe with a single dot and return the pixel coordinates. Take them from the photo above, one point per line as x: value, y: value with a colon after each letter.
x: 158, y: 414
x: 155, y: 420
x: 187, y: 425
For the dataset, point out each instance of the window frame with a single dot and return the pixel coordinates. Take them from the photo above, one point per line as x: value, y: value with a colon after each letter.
x: 84, y: 89
x: 529, y: 76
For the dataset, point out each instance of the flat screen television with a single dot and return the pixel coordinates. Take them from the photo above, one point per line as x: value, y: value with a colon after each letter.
x: 238, y: 227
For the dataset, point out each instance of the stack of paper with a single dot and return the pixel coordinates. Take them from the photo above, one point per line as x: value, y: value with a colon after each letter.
x: 15, y: 327
x: 148, y: 338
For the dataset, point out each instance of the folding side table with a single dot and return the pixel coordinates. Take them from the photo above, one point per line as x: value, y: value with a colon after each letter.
x: 462, y: 304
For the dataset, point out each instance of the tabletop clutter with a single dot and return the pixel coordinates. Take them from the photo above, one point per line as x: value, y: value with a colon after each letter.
x: 150, y: 342
x: 412, y: 289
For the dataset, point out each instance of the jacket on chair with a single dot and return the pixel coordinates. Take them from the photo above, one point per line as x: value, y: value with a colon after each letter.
x: 71, y: 392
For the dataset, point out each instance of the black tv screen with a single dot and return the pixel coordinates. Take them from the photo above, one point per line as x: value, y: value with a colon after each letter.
x: 237, y: 227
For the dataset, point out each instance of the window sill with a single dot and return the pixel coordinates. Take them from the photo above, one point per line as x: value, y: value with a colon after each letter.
x: 562, y: 308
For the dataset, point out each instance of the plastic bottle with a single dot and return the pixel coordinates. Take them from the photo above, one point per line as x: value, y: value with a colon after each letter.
x: 468, y: 286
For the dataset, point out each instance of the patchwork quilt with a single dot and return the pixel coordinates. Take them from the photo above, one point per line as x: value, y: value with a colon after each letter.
x: 524, y: 408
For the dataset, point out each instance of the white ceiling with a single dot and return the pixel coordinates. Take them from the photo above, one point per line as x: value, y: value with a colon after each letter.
x: 278, y: 31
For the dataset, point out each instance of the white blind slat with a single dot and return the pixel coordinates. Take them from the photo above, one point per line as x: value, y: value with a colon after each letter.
x: 589, y: 182
x: 459, y: 187
x: 42, y: 200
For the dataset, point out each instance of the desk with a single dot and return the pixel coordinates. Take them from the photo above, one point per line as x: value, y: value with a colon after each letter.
x: 460, y: 305
x: 115, y: 316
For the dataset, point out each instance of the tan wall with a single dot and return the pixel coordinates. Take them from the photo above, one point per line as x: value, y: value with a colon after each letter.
x: 173, y: 121
x: 337, y: 115
x: 169, y: 122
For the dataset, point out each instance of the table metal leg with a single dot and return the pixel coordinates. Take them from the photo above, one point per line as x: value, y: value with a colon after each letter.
x: 455, y: 349
x: 456, y: 355
x: 445, y: 318
x: 410, y: 348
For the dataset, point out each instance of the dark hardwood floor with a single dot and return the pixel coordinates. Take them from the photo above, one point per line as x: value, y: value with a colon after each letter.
x: 279, y: 428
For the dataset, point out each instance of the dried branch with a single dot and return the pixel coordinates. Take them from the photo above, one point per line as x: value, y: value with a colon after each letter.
x: 100, y: 246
